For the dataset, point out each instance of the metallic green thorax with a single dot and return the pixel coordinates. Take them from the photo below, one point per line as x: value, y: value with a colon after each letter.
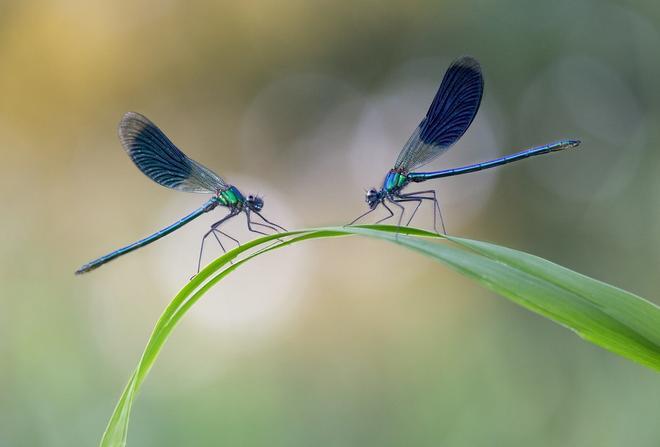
x: 231, y: 197
x: 394, y: 181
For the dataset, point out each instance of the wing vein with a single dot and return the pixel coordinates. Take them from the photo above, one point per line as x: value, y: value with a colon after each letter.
x: 450, y: 114
x: 160, y: 160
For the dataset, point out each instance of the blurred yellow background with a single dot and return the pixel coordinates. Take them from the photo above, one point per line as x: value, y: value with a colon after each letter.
x: 330, y: 343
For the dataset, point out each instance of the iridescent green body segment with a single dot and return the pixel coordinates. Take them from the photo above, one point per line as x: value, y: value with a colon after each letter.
x: 231, y: 197
x: 394, y: 181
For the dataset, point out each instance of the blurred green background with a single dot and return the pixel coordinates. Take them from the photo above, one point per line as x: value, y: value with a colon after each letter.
x: 331, y: 343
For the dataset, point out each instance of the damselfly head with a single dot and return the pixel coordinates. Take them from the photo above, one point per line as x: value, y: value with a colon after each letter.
x: 372, y: 198
x: 255, y: 203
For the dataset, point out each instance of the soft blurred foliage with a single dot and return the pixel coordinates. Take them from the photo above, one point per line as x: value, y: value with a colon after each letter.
x: 344, y: 342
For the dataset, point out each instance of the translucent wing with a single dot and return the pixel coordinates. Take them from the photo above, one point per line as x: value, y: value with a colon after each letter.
x: 454, y: 107
x: 160, y: 160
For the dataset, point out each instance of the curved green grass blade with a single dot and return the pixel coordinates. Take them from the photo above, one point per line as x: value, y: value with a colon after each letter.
x: 601, y: 313
x: 605, y: 315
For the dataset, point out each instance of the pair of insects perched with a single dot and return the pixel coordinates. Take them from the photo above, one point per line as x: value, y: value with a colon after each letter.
x: 454, y: 107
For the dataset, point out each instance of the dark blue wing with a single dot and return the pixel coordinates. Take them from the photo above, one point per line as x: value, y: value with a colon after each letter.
x: 160, y: 160
x: 454, y: 107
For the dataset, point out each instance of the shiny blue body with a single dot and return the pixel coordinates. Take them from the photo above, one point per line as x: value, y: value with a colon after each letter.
x: 539, y: 150
x: 208, y: 206
x: 451, y: 112
x: 164, y: 163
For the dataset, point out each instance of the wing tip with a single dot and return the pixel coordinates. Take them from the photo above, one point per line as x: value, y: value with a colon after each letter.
x: 133, y: 120
x: 467, y: 61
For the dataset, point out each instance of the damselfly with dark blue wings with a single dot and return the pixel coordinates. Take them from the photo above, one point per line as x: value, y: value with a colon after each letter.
x: 452, y: 111
x: 160, y: 160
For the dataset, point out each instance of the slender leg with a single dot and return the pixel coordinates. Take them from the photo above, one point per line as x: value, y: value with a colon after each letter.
x: 215, y: 234
x: 403, y: 210
x: 361, y: 216
x: 219, y: 242
x: 238, y: 243
x: 411, y: 199
x: 385, y: 218
x: 201, y: 250
x: 268, y: 221
x: 265, y: 226
x: 436, y: 206
x: 212, y: 230
x: 249, y: 224
x: 419, y: 203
